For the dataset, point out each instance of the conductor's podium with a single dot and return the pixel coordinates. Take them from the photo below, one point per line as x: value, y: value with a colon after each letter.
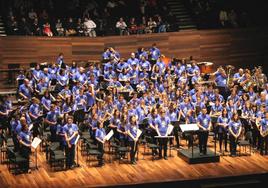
x: 192, y: 155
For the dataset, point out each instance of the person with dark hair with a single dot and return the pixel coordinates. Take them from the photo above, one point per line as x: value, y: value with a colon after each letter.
x: 100, y: 137
x: 71, y: 131
x: 264, y: 135
x: 235, y: 129
x: 204, y: 124
x: 132, y: 132
x: 222, y: 123
x: 25, y: 140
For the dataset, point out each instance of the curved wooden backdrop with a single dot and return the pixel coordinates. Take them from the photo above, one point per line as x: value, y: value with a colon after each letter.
x: 240, y: 47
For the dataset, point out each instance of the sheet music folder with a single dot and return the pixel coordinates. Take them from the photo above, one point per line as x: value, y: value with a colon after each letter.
x: 189, y: 127
x: 109, y: 135
x: 36, y: 141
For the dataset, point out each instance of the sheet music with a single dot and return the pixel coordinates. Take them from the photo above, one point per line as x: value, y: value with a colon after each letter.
x: 189, y: 127
x: 164, y: 136
x: 76, y: 140
x: 36, y: 141
x: 139, y: 133
x: 30, y: 126
x: 170, y: 129
x: 109, y: 135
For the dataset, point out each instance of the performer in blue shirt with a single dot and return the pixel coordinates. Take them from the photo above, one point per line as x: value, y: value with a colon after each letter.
x: 25, y: 139
x: 235, y: 129
x: 132, y: 131
x: 222, y: 123
x: 100, y: 137
x: 204, y: 124
x: 71, y: 131
x: 264, y: 134
x: 162, y: 127
x: 51, y: 120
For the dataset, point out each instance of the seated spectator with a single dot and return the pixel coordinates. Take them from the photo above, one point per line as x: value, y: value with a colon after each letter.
x: 142, y: 26
x: 24, y: 27
x: 32, y: 15
x: 59, y: 28
x: 80, y: 28
x: 233, y: 18
x: 47, y: 30
x: 70, y: 27
x: 36, y: 29
x: 122, y: 27
x: 223, y: 18
x: 90, y: 27
x: 132, y: 26
x: 161, y: 25
x: 151, y: 26
x: 13, y: 26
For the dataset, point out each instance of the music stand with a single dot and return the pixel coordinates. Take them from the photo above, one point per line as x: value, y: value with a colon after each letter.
x: 35, y: 143
x: 190, y: 128
x: 162, y: 137
x: 76, y: 144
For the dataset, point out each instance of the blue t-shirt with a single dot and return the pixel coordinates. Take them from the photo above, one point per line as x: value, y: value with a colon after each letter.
x: 204, y: 120
x: 162, y: 124
x: 69, y: 129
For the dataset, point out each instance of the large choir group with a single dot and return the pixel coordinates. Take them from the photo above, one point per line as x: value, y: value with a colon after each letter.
x: 142, y: 93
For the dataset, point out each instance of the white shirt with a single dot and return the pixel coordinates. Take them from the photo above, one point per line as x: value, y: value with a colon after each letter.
x: 121, y: 25
x: 90, y: 24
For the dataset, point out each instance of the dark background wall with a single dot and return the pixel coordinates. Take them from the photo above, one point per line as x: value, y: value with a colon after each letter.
x: 239, y: 47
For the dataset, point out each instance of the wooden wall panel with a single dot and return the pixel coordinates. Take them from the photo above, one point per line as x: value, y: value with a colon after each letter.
x: 242, y: 47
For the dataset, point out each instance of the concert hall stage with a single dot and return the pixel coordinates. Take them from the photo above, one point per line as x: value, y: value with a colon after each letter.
x: 193, y: 157
x: 174, y: 172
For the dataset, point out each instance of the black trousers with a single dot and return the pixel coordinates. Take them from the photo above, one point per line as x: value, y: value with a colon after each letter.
x: 133, y: 150
x: 101, y: 150
x: 70, y: 154
x: 233, y: 144
x: 223, y: 139
x: 264, y: 145
x: 163, y: 145
x: 16, y: 142
x: 203, y: 140
x: 153, y: 133
x: 256, y: 137
x: 25, y: 152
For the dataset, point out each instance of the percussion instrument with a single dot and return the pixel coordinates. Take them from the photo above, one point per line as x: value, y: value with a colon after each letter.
x: 206, y: 67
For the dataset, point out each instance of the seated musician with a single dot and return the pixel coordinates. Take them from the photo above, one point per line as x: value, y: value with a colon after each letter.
x: 132, y: 131
x: 25, y: 140
x: 46, y: 76
x: 204, y: 124
x: 90, y: 95
x: 71, y: 131
x: 62, y: 80
x: 132, y: 60
x: 37, y: 72
x: 51, y: 121
x: 222, y: 122
x: 144, y: 64
x: 216, y: 108
x: 237, y: 78
x: 264, y: 134
x: 162, y: 123
x: 26, y: 90
x: 41, y: 86
x: 123, y: 76
x: 80, y: 76
x: 100, y: 137
x: 220, y: 77
x: 196, y: 77
x: 93, y: 125
x: 184, y: 107
x: 46, y: 102
x: 120, y: 102
x: 80, y: 101
x: 235, y: 129
x: 65, y: 92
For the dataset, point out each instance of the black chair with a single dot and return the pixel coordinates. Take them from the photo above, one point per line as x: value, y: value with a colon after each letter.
x: 244, y: 144
x: 56, y: 157
x: 15, y: 161
x: 152, y: 146
x: 92, y: 152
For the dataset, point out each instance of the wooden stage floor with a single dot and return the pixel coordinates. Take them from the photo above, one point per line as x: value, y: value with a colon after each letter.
x: 146, y: 171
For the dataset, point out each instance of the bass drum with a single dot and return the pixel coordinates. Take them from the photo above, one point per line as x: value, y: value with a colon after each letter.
x: 206, y: 67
